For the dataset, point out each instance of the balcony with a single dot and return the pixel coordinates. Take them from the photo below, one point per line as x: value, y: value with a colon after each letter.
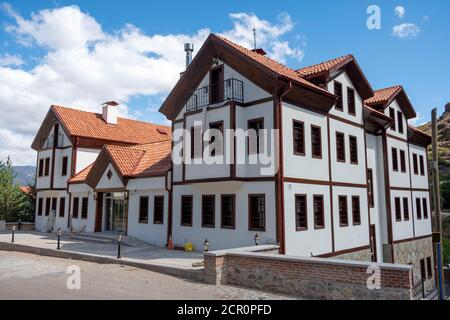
x: 50, y: 141
x: 228, y: 90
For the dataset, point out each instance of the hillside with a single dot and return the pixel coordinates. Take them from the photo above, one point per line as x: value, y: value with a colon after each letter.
x: 25, y: 174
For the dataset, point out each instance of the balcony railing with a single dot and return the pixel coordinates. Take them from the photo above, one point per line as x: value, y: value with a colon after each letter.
x: 230, y: 89
x: 50, y: 141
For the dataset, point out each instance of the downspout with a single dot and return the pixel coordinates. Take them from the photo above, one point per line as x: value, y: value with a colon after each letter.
x: 279, y: 184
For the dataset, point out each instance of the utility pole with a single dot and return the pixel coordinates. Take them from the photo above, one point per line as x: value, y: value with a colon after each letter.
x: 437, y: 203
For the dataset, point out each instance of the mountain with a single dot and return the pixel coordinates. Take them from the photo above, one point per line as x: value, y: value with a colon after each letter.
x: 25, y: 174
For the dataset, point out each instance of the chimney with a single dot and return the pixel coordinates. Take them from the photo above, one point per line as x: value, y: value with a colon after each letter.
x: 109, y: 112
x: 188, y: 48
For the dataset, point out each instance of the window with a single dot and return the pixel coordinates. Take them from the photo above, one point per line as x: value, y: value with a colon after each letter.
x: 54, y: 204
x: 340, y: 147
x: 196, y: 142
x: 47, y: 206
x: 301, y: 217
x: 343, y: 211
x: 415, y: 168
x: 143, y: 209
x: 65, y: 161
x: 47, y: 167
x: 394, y: 159
x: 353, y: 149
x: 84, y: 208
x: 319, y: 219
x: 41, y: 168
x: 422, y: 269
x: 316, y: 142
x: 40, y: 205
x: 351, y: 101
x: 425, y: 208
x: 405, y: 209
x: 429, y: 268
x: 400, y: 121
x: 216, y: 126
x: 228, y: 211
x: 254, y: 131
x: 402, y: 161
x: 370, y: 186
x: 392, y: 115
x: 418, y: 209
x: 299, y: 137
x: 208, y: 211
x: 338, y: 93
x: 422, y: 166
x: 398, y: 210
x: 62, y: 207
x: 186, y: 211
x: 257, y: 211
x: 356, y: 211
x: 75, y: 205
x: 158, y: 210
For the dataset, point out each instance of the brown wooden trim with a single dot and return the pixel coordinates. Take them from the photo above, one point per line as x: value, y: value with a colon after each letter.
x: 255, y: 102
x: 294, y: 121
x: 325, y: 183
x: 320, y: 136
x: 397, y: 138
x: 341, y: 252
x: 225, y: 179
x: 408, y: 189
x: 387, y: 192
x: 250, y: 195
x: 373, y: 251
x: 349, y: 122
x: 176, y: 122
x: 110, y: 190
x: 330, y: 181
x: 300, y: 229
x: 413, y: 239
x: 49, y: 189
x: 234, y: 211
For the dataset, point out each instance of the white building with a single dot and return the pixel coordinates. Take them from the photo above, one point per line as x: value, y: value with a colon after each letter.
x: 349, y: 176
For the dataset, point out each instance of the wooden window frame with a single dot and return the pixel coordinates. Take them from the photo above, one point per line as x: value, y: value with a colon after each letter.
x: 340, y: 100
x: 316, y: 156
x: 222, y: 197
x: 41, y: 168
x: 184, y: 224
x: 350, y: 137
x: 213, y: 225
x: 339, y: 159
x: 297, y: 153
x: 84, y: 208
x: 47, y: 167
x: 55, y: 205
x: 322, y: 211
x: 250, y: 227
x: 405, y: 209
x: 343, y: 224
x: 370, y: 188
x: 297, y: 227
x: 48, y: 204
x: 392, y: 116
x: 76, y: 207
x: 398, y: 209
x: 356, y: 213
x: 259, y: 150
x: 425, y: 208
x: 221, y: 125
x: 394, y: 156
x: 62, y: 207
x: 400, y: 122
x: 64, y: 166
x: 351, y: 93
x: 415, y: 164
x: 143, y: 211
x: 419, y: 209
x: 402, y: 161
x: 156, y: 208
x: 422, y: 165
x: 40, y: 210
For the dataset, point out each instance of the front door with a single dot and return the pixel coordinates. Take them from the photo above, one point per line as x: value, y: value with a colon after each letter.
x: 373, y: 243
x: 216, y: 84
x: 118, y: 219
x: 115, y: 212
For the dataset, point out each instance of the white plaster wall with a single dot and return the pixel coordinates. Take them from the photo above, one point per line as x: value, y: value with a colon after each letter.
x: 303, y: 243
x: 217, y: 237
x: 112, y: 183
x: 85, y: 225
x: 398, y: 178
x: 60, y: 222
x: 178, y: 168
x: 403, y: 229
x: 422, y: 227
x: 394, y: 104
x: 146, y: 183
x: 305, y: 167
x: 85, y: 157
x: 419, y: 181
x: 44, y: 181
x: 59, y: 180
x: 381, y: 190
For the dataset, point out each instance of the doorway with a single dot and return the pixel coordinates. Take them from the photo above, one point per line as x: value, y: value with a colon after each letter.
x: 216, y: 83
x: 116, y: 205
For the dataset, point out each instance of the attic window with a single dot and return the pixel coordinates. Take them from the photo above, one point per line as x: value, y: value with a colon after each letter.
x: 161, y: 131
x: 109, y: 174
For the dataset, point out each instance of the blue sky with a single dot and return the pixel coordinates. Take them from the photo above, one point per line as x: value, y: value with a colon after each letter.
x: 307, y: 32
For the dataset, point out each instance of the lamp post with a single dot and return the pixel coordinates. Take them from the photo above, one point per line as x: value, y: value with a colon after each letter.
x: 119, y: 240
x: 59, y: 239
x: 206, y: 245
x: 13, y: 229
x: 256, y: 238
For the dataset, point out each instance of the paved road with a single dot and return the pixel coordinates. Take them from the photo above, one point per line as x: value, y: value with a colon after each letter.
x: 26, y: 276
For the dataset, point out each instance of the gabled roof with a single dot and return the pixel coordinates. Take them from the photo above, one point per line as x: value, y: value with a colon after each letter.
x: 77, y: 123
x: 418, y: 137
x: 382, y: 99
x: 261, y: 70
x: 327, y: 70
x: 80, y: 177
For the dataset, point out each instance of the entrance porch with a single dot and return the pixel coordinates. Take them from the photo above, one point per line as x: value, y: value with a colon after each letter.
x: 112, y: 212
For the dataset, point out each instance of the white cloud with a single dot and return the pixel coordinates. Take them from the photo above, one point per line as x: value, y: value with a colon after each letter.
x: 417, y: 121
x: 400, y: 11
x: 10, y: 60
x: 406, y: 31
x: 84, y: 66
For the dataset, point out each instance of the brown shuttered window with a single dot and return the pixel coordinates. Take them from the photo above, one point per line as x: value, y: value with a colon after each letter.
x: 255, y: 142
x: 398, y: 210
x: 64, y: 164
x: 425, y: 208
x: 370, y: 186
x: 316, y: 142
x: 402, y: 161
x: 40, y: 206
x: 301, y: 217
x: 208, y: 211
x: 186, y: 211
x: 299, y: 137
x: 228, y: 208
x: 353, y: 143
x: 218, y: 151
x: 41, y: 168
x: 415, y: 166
x: 394, y: 159
x: 392, y: 115
x: 343, y: 211
x: 422, y: 166
x: 47, y: 206
x: 422, y: 269
x: 319, y: 216
x: 47, y: 167
x: 143, y: 209
x: 158, y: 210
x: 400, y: 121
x: 75, y: 206
x: 356, y: 211
x: 405, y: 209
x: 84, y: 208
x: 62, y: 206
x: 418, y: 209
x: 257, y: 212
x: 338, y: 94
x: 351, y: 101
x: 429, y: 268
x: 340, y: 147
x: 196, y: 142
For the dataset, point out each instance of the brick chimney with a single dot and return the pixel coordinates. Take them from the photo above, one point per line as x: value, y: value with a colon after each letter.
x: 109, y: 112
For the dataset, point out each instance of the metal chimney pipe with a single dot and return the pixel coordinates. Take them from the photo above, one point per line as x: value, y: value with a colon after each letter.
x: 188, y: 48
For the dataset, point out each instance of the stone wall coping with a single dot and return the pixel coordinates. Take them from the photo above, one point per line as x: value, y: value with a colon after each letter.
x: 254, y: 249
x: 339, y: 262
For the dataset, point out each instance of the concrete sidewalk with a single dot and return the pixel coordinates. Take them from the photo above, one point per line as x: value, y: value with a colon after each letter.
x: 172, y: 262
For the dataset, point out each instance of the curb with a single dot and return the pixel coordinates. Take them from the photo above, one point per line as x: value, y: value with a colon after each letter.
x: 195, y: 275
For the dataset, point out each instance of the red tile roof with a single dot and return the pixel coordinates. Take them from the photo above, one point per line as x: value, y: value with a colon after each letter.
x: 383, y: 95
x: 80, y: 177
x: 91, y: 125
x: 323, y: 66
